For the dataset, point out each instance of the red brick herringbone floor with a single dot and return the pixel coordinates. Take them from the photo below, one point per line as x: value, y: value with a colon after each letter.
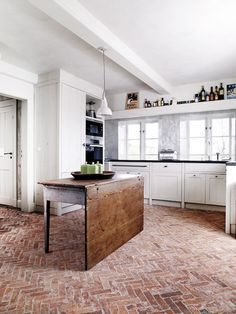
x: 181, y: 263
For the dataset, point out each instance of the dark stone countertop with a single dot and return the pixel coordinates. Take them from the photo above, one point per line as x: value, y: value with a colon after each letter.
x: 177, y: 161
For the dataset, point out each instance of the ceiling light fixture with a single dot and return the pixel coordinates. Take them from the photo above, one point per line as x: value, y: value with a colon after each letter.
x: 103, y: 110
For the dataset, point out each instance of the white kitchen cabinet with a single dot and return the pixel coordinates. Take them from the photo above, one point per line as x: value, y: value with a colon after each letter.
x: 215, y: 189
x: 195, y: 191
x: 134, y: 168
x: 205, y: 183
x: 60, y: 133
x: 166, y: 181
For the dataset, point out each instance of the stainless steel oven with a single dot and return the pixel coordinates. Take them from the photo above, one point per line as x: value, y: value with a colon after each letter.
x: 94, y: 149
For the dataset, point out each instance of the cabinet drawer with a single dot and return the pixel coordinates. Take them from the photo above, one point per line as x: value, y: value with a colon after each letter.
x: 166, y: 167
x: 130, y: 168
x: 205, y: 167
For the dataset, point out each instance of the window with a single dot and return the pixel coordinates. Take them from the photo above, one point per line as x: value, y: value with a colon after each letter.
x: 151, y: 135
x: 138, y: 140
x: 207, y: 138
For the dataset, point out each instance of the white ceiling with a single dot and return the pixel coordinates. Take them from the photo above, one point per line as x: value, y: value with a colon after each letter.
x: 30, y: 39
x: 183, y: 41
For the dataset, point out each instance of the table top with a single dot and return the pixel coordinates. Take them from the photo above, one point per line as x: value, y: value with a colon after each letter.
x: 72, y: 183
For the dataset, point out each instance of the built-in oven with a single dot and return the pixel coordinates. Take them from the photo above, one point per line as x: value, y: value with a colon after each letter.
x: 94, y: 128
x: 94, y: 153
x: 94, y: 149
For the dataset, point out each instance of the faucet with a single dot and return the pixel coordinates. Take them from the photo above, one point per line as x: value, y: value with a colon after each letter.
x: 217, y: 156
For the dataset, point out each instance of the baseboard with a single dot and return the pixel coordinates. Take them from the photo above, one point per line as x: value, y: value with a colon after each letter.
x: 205, y: 207
x: 166, y: 203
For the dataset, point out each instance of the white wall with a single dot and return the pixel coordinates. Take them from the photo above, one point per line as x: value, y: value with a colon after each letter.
x: 182, y: 92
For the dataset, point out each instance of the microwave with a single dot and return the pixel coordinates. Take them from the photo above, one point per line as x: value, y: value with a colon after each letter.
x: 94, y: 128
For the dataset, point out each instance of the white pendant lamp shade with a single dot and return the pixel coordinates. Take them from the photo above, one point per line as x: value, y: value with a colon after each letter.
x: 103, y: 110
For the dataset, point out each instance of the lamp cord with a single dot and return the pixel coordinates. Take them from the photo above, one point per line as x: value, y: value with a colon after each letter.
x: 104, y: 73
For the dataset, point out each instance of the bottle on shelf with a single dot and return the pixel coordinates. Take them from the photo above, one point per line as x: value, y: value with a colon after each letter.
x: 145, y: 103
x: 216, y: 93
x: 196, y: 98
x: 162, y: 102
x: 212, y: 95
x: 207, y: 97
x: 203, y: 94
x: 221, y: 92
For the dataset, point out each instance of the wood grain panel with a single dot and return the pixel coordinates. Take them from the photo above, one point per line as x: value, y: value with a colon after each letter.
x: 114, y: 215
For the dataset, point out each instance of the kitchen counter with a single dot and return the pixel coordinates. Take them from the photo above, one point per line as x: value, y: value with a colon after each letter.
x: 173, y: 160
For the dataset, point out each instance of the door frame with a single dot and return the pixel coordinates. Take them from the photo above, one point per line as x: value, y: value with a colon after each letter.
x: 10, y: 103
x: 19, y: 84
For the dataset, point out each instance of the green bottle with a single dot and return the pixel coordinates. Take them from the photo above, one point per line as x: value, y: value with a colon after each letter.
x: 100, y: 167
x: 84, y: 168
x: 92, y: 169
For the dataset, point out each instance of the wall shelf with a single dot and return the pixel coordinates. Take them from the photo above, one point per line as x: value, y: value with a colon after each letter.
x: 175, y: 109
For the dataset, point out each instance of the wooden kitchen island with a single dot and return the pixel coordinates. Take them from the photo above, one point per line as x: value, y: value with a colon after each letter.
x: 113, y: 211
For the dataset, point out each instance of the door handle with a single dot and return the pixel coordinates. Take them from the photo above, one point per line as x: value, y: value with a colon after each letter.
x: 8, y: 153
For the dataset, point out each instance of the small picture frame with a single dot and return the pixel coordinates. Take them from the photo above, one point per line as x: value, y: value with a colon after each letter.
x: 231, y: 91
x: 132, y: 101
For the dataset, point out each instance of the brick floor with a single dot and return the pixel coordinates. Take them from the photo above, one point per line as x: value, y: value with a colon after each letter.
x: 181, y: 263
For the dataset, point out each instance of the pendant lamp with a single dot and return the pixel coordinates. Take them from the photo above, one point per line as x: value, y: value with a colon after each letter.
x: 103, y: 110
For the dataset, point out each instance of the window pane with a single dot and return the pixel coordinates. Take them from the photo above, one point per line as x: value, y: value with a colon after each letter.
x: 122, y: 131
x: 183, y: 148
x: 220, y: 127
x: 151, y: 157
x: 197, y: 146
x: 197, y: 157
x: 131, y: 157
x: 233, y: 148
x: 133, y: 147
x: 183, y: 129
x: 151, y: 146
x: 220, y: 145
x: 197, y: 128
x: 133, y: 131
x: 122, y: 149
x: 151, y: 130
x: 233, y: 127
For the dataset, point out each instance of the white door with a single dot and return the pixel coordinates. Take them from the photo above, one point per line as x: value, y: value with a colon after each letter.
x: 195, y: 187
x: 8, y: 152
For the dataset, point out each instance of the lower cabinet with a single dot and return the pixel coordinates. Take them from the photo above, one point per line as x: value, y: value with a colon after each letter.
x: 142, y: 170
x: 194, y: 191
x: 166, y: 182
x: 205, y: 189
x: 216, y: 189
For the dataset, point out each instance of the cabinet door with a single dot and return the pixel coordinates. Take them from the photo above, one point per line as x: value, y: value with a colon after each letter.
x: 195, y: 186
x: 72, y: 129
x: 215, y: 189
x: 166, y: 186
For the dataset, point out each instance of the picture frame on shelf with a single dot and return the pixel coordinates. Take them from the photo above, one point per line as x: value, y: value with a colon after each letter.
x: 231, y: 91
x: 132, y: 101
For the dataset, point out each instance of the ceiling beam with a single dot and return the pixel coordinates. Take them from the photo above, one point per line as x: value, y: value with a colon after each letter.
x: 75, y: 17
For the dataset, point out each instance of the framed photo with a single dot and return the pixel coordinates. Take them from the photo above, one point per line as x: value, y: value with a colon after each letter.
x: 132, y: 101
x: 231, y: 91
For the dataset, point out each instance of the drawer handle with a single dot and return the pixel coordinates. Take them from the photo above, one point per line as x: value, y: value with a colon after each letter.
x: 216, y: 176
x: 194, y: 175
x: 165, y: 166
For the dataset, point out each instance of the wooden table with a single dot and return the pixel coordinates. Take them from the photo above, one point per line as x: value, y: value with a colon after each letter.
x: 113, y: 211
